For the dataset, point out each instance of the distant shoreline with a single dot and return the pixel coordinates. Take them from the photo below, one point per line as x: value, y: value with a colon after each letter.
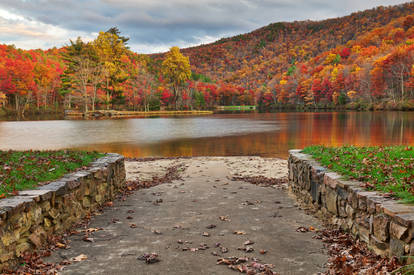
x: 112, y: 114
x: 109, y: 114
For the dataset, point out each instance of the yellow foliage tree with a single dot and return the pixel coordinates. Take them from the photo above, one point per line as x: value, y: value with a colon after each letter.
x: 110, y: 49
x: 176, y: 69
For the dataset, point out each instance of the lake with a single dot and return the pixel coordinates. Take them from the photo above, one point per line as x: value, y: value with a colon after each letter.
x: 268, y: 135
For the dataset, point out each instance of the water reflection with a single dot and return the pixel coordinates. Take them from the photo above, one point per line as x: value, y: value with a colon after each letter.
x: 218, y: 135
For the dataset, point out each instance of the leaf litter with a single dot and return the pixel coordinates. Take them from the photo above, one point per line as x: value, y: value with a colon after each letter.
x: 349, y: 256
x: 263, y: 181
x: 250, y: 266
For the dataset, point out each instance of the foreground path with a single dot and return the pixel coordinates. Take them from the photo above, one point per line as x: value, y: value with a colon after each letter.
x: 173, y: 217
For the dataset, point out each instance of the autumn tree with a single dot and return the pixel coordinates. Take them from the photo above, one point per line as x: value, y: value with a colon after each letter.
x: 398, y: 65
x: 18, y: 81
x: 47, y: 73
x: 176, y: 69
x: 82, y: 69
x: 110, y: 48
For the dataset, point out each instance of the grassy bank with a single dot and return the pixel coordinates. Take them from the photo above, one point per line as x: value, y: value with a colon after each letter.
x: 406, y: 105
x: 31, y: 114
x: 385, y: 169
x: 25, y: 170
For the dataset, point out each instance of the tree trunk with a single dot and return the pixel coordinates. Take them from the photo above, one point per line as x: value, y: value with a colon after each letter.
x: 402, y: 85
x: 85, y: 101
x: 107, y: 94
x: 26, y: 103
x: 93, y: 99
x: 176, y: 96
x: 86, y: 106
x: 16, y: 99
x: 70, y: 102
x: 45, y: 100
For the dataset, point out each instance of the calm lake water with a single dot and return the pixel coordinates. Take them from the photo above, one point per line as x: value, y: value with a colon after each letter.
x: 269, y: 135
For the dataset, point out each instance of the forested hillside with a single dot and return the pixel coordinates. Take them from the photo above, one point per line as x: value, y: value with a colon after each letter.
x: 364, y: 60
x: 106, y: 74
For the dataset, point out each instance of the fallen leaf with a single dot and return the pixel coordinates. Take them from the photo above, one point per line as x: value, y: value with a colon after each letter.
x: 60, y: 245
x: 109, y: 204
x: 246, y: 249
x: 87, y: 239
x: 156, y: 232
x: 232, y: 260
x: 224, y: 218
x: 203, y: 246
x: 149, y: 258
x: 248, y: 242
x: 79, y: 258
x: 90, y: 230
x: 302, y: 229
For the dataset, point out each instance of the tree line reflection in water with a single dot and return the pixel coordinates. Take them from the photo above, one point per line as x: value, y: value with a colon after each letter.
x: 297, y: 130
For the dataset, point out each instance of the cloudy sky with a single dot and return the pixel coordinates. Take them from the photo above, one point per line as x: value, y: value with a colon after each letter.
x: 155, y: 25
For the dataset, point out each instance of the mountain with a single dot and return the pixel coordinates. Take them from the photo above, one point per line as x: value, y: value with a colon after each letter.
x: 313, y: 61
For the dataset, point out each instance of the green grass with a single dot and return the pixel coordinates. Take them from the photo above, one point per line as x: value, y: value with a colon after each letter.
x: 21, y: 170
x: 385, y: 169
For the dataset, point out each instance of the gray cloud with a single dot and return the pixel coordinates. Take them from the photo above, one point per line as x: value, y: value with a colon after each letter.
x: 157, y: 24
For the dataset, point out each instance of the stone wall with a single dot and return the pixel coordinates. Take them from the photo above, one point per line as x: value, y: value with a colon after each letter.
x: 28, y: 219
x: 384, y: 224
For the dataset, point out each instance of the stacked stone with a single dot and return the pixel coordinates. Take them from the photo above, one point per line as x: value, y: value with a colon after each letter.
x: 384, y: 224
x: 28, y: 219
